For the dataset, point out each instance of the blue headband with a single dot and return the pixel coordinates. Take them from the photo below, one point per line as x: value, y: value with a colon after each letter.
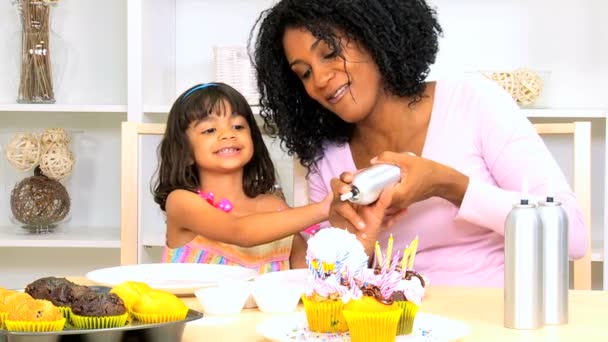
x: 198, y: 87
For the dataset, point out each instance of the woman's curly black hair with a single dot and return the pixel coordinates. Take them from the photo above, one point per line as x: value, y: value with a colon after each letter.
x: 400, y: 35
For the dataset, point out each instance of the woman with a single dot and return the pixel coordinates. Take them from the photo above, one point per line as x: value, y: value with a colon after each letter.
x: 344, y: 84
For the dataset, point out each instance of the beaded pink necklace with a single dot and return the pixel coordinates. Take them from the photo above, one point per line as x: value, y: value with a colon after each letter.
x: 223, y: 204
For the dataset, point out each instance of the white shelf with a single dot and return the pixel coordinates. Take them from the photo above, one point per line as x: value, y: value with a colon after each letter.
x: 164, y: 109
x: 75, y: 237
x: 153, y: 241
x: 157, y: 109
x: 565, y: 112
x: 17, y: 107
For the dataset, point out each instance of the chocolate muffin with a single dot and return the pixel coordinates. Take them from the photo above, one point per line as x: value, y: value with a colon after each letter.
x: 68, y: 294
x: 96, y: 304
x: 42, y: 288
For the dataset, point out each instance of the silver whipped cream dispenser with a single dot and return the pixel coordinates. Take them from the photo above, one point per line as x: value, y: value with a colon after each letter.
x: 369, y: 183
x: 523, y: 270
x: 555, y: 260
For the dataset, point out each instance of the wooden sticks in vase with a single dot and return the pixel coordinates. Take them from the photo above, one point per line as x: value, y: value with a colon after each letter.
x: 36, y: 84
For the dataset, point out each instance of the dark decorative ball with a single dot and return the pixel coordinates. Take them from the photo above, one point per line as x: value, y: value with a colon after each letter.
x: 39, y: 201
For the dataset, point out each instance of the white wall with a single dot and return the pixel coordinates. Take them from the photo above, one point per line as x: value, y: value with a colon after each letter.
x: 567, y: 38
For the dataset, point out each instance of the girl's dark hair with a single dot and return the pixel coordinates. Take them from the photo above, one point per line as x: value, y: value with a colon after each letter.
x: 400, y: 35
x: 176, y: 170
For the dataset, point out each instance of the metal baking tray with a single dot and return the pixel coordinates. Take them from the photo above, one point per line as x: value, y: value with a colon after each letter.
x: 133, y: 332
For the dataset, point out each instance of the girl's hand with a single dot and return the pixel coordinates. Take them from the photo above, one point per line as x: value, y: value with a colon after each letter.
x: 423, y: 178
x: 325, y: 204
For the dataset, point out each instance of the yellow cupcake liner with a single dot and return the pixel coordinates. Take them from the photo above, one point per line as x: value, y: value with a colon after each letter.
x: 40, y: 326
x: 161, y: 318
x: 66, y: 311
x: 325, y: 317
x: 408, y: 314
x: 372, y: 326
x: 3, y: 317
x: 99, y: 322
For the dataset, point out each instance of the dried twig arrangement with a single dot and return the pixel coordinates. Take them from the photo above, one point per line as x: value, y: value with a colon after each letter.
x: 36, y: 83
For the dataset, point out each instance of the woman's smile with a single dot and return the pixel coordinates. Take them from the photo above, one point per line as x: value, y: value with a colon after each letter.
x: 339, y: 94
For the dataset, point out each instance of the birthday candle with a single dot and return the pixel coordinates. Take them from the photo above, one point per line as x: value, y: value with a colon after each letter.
x: 378, y: 254
x: 406, y: 257
x: 389, y: 251
x: 414, y: 247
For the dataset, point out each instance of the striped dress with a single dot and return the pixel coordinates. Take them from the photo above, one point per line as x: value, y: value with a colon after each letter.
x: 269, y: 257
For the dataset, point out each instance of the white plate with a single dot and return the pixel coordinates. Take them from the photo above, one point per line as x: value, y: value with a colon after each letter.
x: 427, y: 327
x: 176, y: 278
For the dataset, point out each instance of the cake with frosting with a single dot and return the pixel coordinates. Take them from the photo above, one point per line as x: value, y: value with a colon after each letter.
x: 410, y: 287
x: 374, y: 317
x: 335, y: 258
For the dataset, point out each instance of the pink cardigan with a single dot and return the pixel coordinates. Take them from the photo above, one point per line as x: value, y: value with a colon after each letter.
x: 476, y: 128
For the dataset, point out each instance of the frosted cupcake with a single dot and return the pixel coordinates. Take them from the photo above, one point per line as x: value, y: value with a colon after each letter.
x: 374, y: 317
x: 408, y: 296
x: 410, y: 290
x: 334, y: 257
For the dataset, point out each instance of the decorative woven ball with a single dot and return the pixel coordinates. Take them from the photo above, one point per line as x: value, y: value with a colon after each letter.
x: 23, y: 151
x: 507, y: 81
x: 52, y: 136
x: 530, y: 86
x: 57, y: 161
x: 39, y: 201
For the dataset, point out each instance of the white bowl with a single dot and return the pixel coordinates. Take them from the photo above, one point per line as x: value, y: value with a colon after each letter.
x: 280, y: 291
x: 225, y: 298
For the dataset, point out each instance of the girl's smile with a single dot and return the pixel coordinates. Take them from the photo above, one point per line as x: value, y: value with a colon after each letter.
x: 228, y: 151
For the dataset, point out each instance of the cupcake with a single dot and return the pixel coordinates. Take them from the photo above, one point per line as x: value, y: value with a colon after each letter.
x: 65, y: 295
x: 34, y: 315
x: 8, y: 301
x: 3, y: 314
x: 374, y: 317
x: 409, y: 291
x: 334, y: 257
x: 95, y: 310
x: 130, y: 291
x: 42, y: 288
x: 157, y: 306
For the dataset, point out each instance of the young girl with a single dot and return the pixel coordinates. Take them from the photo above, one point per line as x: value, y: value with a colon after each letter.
x: 215, y: 183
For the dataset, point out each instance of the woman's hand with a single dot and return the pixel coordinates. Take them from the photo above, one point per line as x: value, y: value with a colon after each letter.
x: 423, y: 178
x: 345, y: 214
x: 364, y: 221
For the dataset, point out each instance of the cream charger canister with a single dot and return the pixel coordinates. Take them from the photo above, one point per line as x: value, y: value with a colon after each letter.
x: 555, y: 260
x: 368, y: 184
x: 523, y: 269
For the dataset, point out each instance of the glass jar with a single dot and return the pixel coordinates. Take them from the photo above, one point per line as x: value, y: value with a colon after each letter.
x: 36, y: 81
x: 37, y: 168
